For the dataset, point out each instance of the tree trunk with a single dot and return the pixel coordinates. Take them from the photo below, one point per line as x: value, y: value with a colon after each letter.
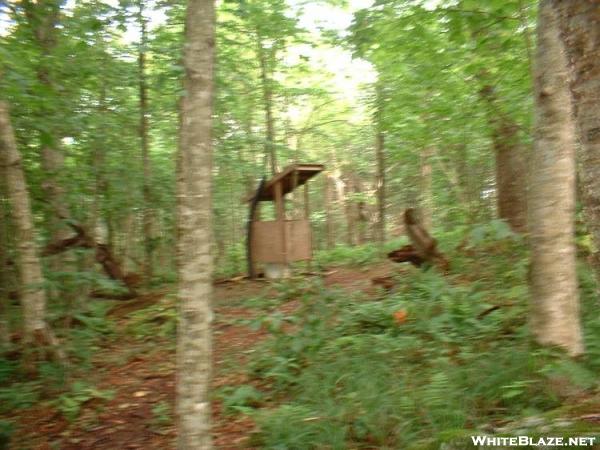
x: 511, y: 177
x: 36, y: 330
x: 267, y: 88
x: 145, y: 143
x: 555, y: 300
x: 98, y: 166
x: 380, y: 178
x: 52, y: 165
x: 511, y: 164
x: 361, y: 213
x: 43, y: 19
x: 580, y: 27
x: 5, y: 273
x: 350, y: 211
x: 194, y: 347
x: 329, y: 219
x: 127, y: 239
x: 247, y: 174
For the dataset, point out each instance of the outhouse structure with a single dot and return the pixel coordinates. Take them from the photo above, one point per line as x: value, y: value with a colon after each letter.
x: 277, y: 243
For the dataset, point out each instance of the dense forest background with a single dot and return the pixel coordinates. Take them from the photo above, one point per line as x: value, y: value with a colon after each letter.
x: 418, y: 104
x: 440, y: 89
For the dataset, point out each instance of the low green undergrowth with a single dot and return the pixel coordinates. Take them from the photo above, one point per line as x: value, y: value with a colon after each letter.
x: 55, y: 384
x: 158, y: 321
x: 433, y: 359
x: 70, y: 402
x: 358, y: 255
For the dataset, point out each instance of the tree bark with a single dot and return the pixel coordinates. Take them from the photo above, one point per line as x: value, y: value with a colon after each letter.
x: 194, y: 346
x: 33, y: 297
x: 511, y: 164
x: 329, y: 217
x: 103, y: 256
x: 98, y: 166
x: 361, y: 213
x: 555, y: 301
x: 5, y: 272
x: 511, y: 176
x: 43, y: 19
x: 145, y: 146
x: 380, y: 176
x: 267, y: 88
x: 350, y: 211
x: 580, y: 26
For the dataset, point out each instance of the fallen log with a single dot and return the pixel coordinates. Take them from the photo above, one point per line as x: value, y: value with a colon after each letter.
x: 79, y: 240
x: 113, y: 296
x: 423, y: 247
x: 406, y: 253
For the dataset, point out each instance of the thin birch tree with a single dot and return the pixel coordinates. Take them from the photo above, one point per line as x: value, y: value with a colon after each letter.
x: 194, y: 346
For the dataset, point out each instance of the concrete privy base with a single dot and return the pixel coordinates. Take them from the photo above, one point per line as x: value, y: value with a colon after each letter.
x: 276, y: 271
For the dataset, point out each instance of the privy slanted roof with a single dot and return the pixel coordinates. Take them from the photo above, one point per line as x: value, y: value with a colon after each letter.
x: 291, y: 177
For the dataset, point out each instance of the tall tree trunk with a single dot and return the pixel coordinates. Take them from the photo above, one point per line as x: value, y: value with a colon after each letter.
x: 379, y: 150
x: 145, y: 143
x: 380, y: 175
x: 5, y: 273
x: 36, y: 330
x: 97, y: 162
x: 511, y: 177
x: 43, y: 19
x: 555, y: 299
x: 267, y: 88
x: 52, y: 164
x: 127, y: 240
x: 511, y: 163
x: 247, y: 174
x: 329, y: 218
x: 350, y: 211
x: 194, y: 347
x: 361, y: 211
x: 580, y: 26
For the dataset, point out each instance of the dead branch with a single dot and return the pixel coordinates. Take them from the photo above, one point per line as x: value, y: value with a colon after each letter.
x: 103, y: 256
x: 406, y: 253
x: 424, y: 245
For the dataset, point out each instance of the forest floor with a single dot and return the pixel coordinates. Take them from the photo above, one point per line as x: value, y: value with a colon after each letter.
x: 141, y: 375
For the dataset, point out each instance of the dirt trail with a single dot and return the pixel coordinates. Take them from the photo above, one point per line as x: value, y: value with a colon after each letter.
x: 142, y: 376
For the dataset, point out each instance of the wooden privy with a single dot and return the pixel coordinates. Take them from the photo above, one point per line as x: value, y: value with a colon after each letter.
x: 281, y: 241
